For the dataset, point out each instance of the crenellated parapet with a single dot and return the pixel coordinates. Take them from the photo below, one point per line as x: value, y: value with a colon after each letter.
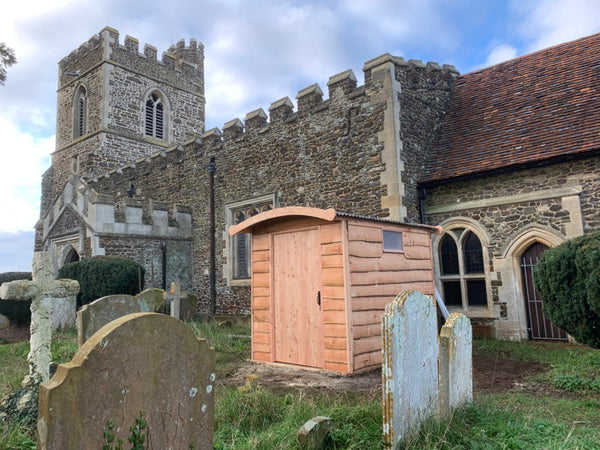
x: 342, y: 89
x: 99, y: 214
x: 184, y: 62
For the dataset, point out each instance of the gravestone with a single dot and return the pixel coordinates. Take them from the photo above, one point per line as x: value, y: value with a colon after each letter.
x: 144, y: 362
x: 456, y: 363
x: 173, y: 298
x: 44, y: 292
x: 410, y: 364
x: 94, y: 315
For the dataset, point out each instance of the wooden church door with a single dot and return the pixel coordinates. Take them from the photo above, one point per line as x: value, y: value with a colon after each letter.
x: 296, y: 296
x: 538, y: 325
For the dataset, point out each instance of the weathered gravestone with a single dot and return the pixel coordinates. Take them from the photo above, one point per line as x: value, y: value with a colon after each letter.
x: 456, y: 363
x: 422, y: 378
x: 46, y: 294
x: 141, y: 362
x: 93, y: 316
x: 410, y: 364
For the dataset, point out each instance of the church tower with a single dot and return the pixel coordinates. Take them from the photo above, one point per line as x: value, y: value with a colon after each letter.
x: 116, y: 105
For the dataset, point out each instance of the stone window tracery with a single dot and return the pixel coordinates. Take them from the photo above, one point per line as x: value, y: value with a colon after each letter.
x: 462, y: 269
x: 240, y: 244
x: 155, y: 116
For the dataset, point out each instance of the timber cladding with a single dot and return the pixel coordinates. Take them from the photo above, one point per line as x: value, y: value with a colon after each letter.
x: 320, y: 286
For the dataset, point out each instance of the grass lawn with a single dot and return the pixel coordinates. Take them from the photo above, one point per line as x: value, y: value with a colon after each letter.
x: 558, y: 408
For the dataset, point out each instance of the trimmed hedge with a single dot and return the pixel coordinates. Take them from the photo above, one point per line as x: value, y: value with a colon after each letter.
x: 104, y: 275
x: 17, y: 311
x: 567, y: 277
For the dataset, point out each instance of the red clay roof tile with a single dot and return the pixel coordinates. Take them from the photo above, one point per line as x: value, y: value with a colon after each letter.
x: 537, y: 107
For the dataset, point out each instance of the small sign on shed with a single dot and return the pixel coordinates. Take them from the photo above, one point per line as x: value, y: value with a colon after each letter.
x: 321, y: 280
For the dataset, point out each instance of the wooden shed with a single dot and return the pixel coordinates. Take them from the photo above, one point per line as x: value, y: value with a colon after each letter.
x: 321, y: 280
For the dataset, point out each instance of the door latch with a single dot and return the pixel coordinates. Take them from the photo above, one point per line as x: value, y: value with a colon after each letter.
x: 319, y: 299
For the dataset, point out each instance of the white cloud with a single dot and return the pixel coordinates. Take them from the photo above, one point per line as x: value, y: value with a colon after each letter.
x: 499, y: 54
x: 550, y: 22
x: 23, y: 159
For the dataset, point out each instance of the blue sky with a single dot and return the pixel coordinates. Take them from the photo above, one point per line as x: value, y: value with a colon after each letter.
x: 256, y: 52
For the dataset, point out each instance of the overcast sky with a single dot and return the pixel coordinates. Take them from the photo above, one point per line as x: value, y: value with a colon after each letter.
x: 256, y: 52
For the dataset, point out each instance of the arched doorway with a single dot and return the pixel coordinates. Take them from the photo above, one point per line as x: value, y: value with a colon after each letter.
x: 538, y: 325
x: 72, y: 256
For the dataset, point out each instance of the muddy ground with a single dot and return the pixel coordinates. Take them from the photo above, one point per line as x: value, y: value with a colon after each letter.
x: 490, y: 374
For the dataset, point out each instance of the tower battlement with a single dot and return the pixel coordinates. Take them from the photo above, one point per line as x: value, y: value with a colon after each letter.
x: 181, y: 63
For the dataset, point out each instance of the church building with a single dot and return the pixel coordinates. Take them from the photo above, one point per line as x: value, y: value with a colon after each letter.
x: 505, y: 159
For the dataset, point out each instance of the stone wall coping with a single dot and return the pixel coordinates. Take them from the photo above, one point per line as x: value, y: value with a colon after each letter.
x: 285, y: 101
x: 342, y: 76
x: 213, y: 132
x: 256, y: 113
x: 313, y: 89
x: 382, y: 59
x: 233, y: 123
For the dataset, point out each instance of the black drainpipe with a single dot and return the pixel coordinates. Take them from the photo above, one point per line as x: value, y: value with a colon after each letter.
x: 212, y: 168
x: 163, y: 250
x: 422, y: 195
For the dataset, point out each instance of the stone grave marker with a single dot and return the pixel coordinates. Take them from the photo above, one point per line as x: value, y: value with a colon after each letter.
x: 45, y: 293
x: 410, y: 364
x: 456, y: 363
x: 173, y: 298
x: 94, y: 315
x: 144, y: 362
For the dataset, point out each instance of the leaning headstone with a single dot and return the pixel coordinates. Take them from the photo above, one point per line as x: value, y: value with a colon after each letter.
x: 93, y: 316
x: 456, y: 363
x: 44, y: 291
x: 142, y: 363
x: 313, y: 434
x: 410, y: 359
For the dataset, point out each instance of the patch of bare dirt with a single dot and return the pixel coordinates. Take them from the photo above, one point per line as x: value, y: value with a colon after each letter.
x: 490, y: 375
x: 14, y: 333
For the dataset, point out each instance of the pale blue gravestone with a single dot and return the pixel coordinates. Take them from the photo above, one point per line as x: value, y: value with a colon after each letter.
x: 410, y: 365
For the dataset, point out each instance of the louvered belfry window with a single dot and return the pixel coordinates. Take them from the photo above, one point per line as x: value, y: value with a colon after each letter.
x: 80, y: 106
x: 155, y: 117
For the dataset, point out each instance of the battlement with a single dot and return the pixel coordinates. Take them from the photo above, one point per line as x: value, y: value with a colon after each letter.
x: 103, y: 214
x: 342, y: 89
x: 105, y: 47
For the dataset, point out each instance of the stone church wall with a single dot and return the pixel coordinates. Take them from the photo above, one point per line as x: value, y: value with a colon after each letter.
x: 548, y: 204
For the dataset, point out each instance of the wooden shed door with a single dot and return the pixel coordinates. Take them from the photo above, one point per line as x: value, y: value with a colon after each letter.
x: 538, y: 325
x: 296, y: 271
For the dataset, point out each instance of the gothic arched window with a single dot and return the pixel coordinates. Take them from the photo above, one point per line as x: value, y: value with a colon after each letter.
x: 80, y: 113
x: 155, y: 116
x: 462, y: 269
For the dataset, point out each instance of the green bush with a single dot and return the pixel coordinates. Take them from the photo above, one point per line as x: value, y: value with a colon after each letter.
x: 567, y: 277
x: 104, y: 275
x: 17, y: 311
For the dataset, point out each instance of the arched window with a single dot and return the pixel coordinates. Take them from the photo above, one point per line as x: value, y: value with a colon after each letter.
x: 462, y: 269
x: 80, y: 113
x: 241, y: 249
x: 155, y: 116
x: 71, y: 256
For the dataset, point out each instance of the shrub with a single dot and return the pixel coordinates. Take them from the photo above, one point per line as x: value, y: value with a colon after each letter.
x: 104, y: 275
x: 17, y: 311
x: 567, y: 277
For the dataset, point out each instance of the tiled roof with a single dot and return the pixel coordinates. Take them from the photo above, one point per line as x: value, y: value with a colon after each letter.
x: 538, y: 107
